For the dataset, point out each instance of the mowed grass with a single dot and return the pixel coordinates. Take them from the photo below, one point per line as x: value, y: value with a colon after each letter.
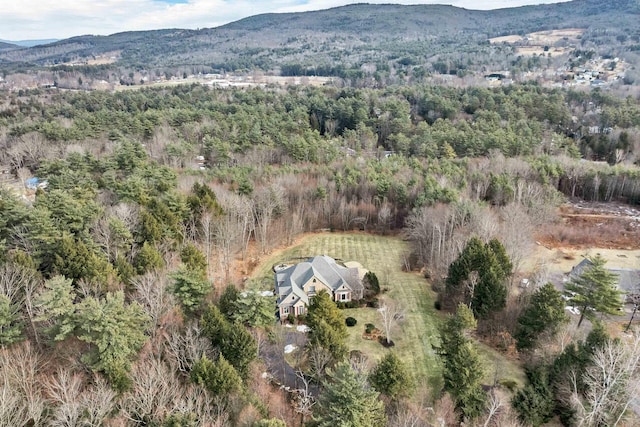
x: 415, y: 337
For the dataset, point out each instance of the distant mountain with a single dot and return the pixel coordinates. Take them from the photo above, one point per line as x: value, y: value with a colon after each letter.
x: 29, y: 43
x: 5, y: 45
x: 347, y: 36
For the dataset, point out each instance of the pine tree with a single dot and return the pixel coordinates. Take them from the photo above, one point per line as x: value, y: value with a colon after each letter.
x: 227, y: 302
x: 239, y: 348
x: 535, y: 403
x: 595, y: 291
x: 190, y: 287
x: 544, y: 313
x: 55, y: 306
x: 252, y: 308
x: 219, y: 378
x: 390, y: 377
x: 328, y: 329
x: 463, y: 370
x: 348, y: 400
x: 234, y: 342
x: 116, y: 331
x: 10, y: 322
x: 479, y: 275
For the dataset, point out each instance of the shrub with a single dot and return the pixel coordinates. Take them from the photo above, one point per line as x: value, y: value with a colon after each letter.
x: 374, y: 303
x: 385, y: 343
x: 347, y: 304
x: 369, y: 327
x: 509, y: 383
x: 291, y: 318
x: 371, y: 283
x: 351, y: 321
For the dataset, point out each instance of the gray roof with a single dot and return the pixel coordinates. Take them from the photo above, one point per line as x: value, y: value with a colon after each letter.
x: 290, y: 280
x: 628, y: 280
x: 579, y: 269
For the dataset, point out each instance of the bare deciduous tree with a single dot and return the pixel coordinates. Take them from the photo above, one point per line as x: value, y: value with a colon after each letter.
x: 391, y: 314
x: 612, y: 383
x: 267, y: 203
x: 152, y: 293
x: 21, y: 284
x: 155, y: 391
x: 320, y: 359
x: 64, y: 391
x: 303, y: 399
x: 516, y: 231
x: 98, y: 403
x: 21, y: 391
x: 187, y: 347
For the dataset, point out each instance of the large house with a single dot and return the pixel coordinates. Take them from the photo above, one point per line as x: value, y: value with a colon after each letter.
x: 296, y: 284
x: 628, y: 280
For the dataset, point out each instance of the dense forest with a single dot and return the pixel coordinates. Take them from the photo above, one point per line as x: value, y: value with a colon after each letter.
x: 121, y: 298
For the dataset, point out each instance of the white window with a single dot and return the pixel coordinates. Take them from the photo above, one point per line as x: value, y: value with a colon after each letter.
x: 285, y: 310
x: 312, y: 289
x: 343, y: 297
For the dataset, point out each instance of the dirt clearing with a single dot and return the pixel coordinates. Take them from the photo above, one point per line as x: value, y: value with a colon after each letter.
x: 594, y: 225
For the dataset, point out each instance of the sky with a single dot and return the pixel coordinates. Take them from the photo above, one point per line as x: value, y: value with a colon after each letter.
x: 58, y: 19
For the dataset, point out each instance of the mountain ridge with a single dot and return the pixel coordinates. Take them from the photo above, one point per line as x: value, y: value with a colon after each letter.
x: 331, y: 36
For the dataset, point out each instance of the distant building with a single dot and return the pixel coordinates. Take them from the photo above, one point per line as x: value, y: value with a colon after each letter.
x: 628, y: 279
x: 35, y: 183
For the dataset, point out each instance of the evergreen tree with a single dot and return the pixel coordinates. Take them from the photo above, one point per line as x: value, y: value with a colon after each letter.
x: 544, y: 313
x: 348, y: 400
x: 193, y: 259
x: 148, y: 259
x: 327, y: 326
x: 214, y: 325
x: 595, y: 291
x: 239, y: 348
x: 479, y: 275
x: 227, y: 302
x: 190, y: 287
x: 219, y: 378
x: 390, y: 377
x: 10, y: 322
x: 234, y: 342
x: 535, y: 402
x: 463, y: 370
x: 116, y: 331
x: 252, y: 308
x: 56, y: 307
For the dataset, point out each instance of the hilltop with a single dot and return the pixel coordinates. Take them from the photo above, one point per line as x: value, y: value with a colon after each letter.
x: 383, y: 43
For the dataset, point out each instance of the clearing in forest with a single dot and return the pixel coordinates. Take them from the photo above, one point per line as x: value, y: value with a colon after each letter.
x: 417, y: 334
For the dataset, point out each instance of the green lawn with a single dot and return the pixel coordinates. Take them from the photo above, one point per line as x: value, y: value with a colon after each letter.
x: 498, y: 367
x: 416, y: 335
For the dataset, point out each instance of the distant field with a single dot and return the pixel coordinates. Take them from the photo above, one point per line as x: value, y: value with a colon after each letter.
x: 541, y: 38
x: 383, y: 255
x: 534, y: 43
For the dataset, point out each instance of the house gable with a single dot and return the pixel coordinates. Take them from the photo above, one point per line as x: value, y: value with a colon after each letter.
x: 315, y: 285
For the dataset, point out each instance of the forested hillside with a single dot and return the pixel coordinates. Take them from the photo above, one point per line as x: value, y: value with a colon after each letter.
x: 120, y: 263
x: 356, y: 42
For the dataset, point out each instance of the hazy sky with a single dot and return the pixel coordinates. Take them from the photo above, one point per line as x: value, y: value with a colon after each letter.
x: 42, y: 19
